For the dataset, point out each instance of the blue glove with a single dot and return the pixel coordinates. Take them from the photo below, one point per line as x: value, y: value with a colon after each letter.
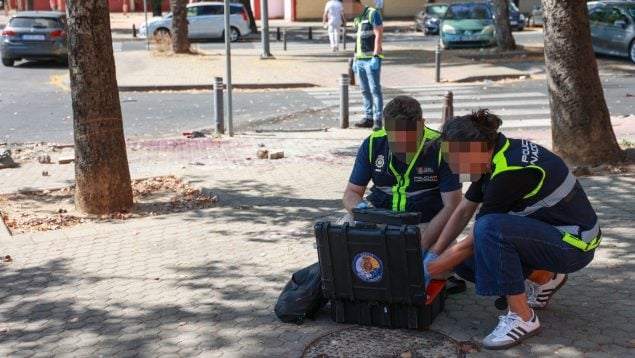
x: 431, y: 256
x: 374, y: 63
x: 354, y: 67
x: 362, y: 205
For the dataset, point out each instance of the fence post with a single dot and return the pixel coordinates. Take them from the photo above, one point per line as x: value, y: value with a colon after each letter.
x: 344, y: 100
x: 219, y: 119
x: 284, y: 38
x: 310, y: 33
x: 448, y: 107
x: 278, y: 33
x: 134, y: 31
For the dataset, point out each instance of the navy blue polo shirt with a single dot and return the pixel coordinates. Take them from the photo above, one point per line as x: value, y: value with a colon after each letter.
x: 428, y: 178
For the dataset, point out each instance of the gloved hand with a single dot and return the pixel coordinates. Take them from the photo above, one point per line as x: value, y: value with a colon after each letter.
x: 362, y: 205
x: 354, y: 67
x: 431, y: 256
x: 374, y: 63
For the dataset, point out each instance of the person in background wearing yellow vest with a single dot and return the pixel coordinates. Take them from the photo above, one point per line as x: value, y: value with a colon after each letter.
x: 535, y: 222
x: 367, y: 62
x: 408, y: 173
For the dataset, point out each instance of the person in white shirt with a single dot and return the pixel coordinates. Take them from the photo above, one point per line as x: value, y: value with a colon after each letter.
x: 334, y: 18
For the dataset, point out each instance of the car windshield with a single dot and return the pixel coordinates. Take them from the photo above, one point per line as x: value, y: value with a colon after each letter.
x: 34, y: 22
x: 513, y: 7
x: 468, y: 11
x: 631, y: 11
x: 436, y: 10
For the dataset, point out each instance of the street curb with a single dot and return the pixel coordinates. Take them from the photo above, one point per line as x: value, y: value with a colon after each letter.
x: 133, y: 88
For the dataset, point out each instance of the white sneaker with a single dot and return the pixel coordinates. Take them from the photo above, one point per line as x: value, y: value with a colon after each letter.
x: 511, y: 330
x: 538, y: 295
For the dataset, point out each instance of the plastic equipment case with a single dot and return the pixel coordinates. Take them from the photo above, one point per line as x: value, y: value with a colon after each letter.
x: 374, y: 275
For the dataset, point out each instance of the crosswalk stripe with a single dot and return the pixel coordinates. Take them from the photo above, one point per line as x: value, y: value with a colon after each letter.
x: 532, y: 111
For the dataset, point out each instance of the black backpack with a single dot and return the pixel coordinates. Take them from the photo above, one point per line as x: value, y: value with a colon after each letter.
x: 302, y: 296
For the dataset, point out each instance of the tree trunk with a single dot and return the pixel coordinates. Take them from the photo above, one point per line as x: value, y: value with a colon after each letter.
x: 581, y: 125
x: 156, y: 7
x: 180, y: 43
x: 250, y: 15
x: 504, y: 38
x: 101, y: 165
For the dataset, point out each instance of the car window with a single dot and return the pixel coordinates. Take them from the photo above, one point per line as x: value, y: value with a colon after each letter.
x: 236, y: 10
x: 210, y: 10
x: 513, y: 8
x: 35, y: 22
x: 436, y: 10
x: 191, y: 11
x: 598, y: 15
x: 468, y: 11
x: 616, y: 15
x: 631, y: 11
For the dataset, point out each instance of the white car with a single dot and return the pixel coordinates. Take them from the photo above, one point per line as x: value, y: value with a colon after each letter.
x: 206, y: 21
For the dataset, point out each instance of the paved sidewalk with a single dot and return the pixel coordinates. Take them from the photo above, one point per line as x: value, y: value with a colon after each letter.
x: 204, y: 282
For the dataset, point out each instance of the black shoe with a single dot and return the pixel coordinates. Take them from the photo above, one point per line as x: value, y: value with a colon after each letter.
x: 364, y: 123
x: 377, y: 125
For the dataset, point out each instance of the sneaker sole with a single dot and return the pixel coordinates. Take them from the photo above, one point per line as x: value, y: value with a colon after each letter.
x: 540, y: 308
x: 514, y: 343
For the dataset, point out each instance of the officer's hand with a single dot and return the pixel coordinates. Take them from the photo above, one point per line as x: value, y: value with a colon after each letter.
x: 374, y: 63
x: 430, y: 256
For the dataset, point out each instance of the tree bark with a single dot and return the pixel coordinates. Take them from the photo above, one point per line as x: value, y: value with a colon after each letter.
x: 101, y: 165
x: 504, y: 38
x: 180, y: 43
x: 581, y: 125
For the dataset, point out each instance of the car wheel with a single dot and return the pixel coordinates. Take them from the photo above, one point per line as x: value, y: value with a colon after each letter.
x: 631, y: 51
x: 8, y: 62
x: 234, y: 34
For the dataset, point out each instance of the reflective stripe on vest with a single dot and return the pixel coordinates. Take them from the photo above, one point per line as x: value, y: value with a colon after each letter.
x: 398, y: 191
x: 365, y: 46
x: 585, y: 240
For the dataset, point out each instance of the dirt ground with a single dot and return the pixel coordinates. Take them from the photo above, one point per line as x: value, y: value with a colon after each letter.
x: 55, y: 209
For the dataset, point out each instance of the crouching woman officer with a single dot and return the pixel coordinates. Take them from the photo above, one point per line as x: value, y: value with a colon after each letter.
x: 535, y: 222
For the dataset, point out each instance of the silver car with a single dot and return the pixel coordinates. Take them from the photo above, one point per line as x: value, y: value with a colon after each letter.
x: 613, y: 28
x: 34, y: 35
x: 206, y: 21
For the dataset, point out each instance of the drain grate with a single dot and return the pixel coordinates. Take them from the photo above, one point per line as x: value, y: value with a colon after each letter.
x: 363, y: 341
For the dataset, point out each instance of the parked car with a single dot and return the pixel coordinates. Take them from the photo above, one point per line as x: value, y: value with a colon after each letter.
x: 468, y: 25
x: 535, y: 18
x: 613, y: 28
x: 34, y: 35
x: 429, y: 19
x: 516, y: 18
x: 206, y: 21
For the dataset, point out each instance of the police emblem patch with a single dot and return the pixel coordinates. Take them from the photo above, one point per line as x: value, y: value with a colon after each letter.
x: 368, y: 267
x: 380, y: 161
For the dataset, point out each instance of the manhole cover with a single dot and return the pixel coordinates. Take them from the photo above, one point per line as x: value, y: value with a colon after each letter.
x: 366, y: 341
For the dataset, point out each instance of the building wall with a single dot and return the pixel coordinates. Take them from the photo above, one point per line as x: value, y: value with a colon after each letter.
x: 313, y: 10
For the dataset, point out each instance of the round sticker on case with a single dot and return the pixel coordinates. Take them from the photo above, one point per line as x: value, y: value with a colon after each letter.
x: 368, y: 267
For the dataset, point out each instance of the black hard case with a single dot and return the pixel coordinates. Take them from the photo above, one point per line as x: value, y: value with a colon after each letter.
x: 399, y: 298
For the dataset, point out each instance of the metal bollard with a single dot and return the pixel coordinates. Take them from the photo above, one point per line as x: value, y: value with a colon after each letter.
x: 219, y: 113
x: 448, y: 107
x: 284, y: 39
x: 351, y: 74
x: 344, y: 37
x: 310, y: 33
x: 134, y: 31
x: 437, y: 61
x: 344, y: 100
x: 277, y: 33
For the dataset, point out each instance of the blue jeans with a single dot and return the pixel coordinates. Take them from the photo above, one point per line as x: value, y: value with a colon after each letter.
x: 507, y: 248
x: 371, y: 89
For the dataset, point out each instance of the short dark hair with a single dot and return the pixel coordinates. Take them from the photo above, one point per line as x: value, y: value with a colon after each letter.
x: 479, y: 126
x: 403, y: 108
